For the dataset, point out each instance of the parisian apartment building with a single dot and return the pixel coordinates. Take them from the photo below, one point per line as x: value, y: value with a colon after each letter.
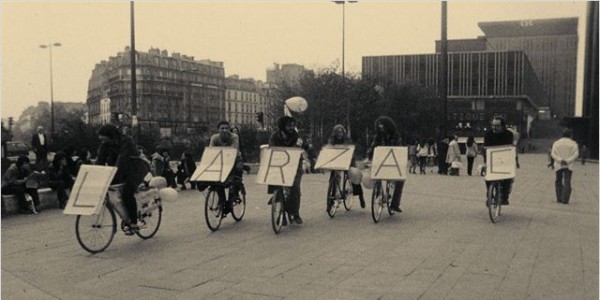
x: 176, y: 94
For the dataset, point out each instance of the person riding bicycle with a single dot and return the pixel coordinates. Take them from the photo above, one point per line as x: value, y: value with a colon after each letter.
x: 386, y: 134
x: 226, y: 138
x: 120, y: 151
x: 287, y: 136
x: 339, y: 137
x: 498, y: 136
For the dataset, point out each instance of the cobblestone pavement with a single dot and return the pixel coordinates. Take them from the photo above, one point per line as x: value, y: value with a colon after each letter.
x: 443, y: 246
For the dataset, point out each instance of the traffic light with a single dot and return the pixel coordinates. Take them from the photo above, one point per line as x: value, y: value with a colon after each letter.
x: 260, y: 117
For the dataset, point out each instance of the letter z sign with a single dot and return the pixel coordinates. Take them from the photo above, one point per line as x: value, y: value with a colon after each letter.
x: 389, y: 163
x: 335, y: 158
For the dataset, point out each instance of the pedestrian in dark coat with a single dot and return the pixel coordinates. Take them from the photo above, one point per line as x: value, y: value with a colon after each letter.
x: 39, y: 143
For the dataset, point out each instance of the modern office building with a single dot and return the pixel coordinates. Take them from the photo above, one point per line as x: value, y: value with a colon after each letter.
x: 531, y: 60
x: 481, y: 84
x: 551, y: 46
x: 176, y: 94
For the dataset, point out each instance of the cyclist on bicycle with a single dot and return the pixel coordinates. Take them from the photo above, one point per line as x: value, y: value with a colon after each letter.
x: 386, y: 134
x: 287, y: 136
x: 339, y: 137
x: 119, y: 150
x: 226, y: 138
x: 498, y: 136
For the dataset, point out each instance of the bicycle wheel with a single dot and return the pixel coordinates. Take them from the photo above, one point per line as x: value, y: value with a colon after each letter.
x: 332, y: 195
x: 94, y: 233
x: 347, y: 193
x: 213, y: 210
x: 389, y: 194
x: 149, y: 222
x: 277, y: 211
x: 494, y: 201
x: 238, y: 208
x: 377, y: 201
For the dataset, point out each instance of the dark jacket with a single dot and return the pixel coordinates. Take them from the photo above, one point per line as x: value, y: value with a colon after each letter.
x: 389, y: 137
x: 36, y: 143
x: 124, y: 155
x: 497, y: 139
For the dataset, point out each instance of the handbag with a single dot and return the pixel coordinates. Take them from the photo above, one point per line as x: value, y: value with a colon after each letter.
x: 456, y: 164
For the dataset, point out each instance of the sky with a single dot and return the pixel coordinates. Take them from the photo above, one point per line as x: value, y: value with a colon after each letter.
x: 248, y: 36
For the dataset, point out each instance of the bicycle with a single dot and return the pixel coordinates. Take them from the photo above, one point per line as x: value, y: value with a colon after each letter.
x: 213, y: 207
x: 494, y: 200
x: 339, y: 191
x: 279, y: 203
x: 383, y: 190
x: 96, y: 232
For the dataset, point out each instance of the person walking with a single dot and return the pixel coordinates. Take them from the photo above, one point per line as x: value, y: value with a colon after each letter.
x: 422, y: 153
x: 471, y: 154
x: 564, y: 152
x: 442, y: 153
x: 585, y: 153
x: 412, y: 156
x: 453, y: 158
x: 39, y: 142
x: 432, y: 155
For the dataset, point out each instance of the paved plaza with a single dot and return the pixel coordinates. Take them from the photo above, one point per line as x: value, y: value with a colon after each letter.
x: 443, y: 246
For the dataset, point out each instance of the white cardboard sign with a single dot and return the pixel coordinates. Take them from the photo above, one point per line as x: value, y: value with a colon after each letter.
x: 278, y: 166
x: 389, y: 163
x: 336, y: 157
x: 215, y: 165
x: 501, y: 162
x: 89, y: 191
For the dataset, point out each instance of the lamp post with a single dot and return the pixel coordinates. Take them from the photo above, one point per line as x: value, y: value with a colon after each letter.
x: 187, y: 86
x: 49, y: 46
x: 343, y: 3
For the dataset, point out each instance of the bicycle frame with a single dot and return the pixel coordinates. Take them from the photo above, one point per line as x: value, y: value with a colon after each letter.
x: 495, y: 195
x: 279, y: 217
x: 383, y: 189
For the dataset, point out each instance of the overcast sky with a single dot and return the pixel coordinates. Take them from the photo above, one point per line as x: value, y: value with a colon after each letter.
x: 247, y: 36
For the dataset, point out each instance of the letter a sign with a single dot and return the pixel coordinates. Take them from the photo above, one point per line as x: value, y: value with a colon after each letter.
x: 216, y: 164
x: 278, y: 166
x: 389, y: 163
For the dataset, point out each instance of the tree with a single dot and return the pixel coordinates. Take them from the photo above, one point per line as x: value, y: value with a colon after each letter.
x: 413, y: 107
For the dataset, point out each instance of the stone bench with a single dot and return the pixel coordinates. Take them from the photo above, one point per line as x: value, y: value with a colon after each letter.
x: 48, y: 199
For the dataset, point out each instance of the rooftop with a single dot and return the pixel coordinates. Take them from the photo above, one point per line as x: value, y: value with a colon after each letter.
x: 539, y: 27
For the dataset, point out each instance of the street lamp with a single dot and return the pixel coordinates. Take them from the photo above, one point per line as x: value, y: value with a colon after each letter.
x: 49, y: 46
x: 343, y: 3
